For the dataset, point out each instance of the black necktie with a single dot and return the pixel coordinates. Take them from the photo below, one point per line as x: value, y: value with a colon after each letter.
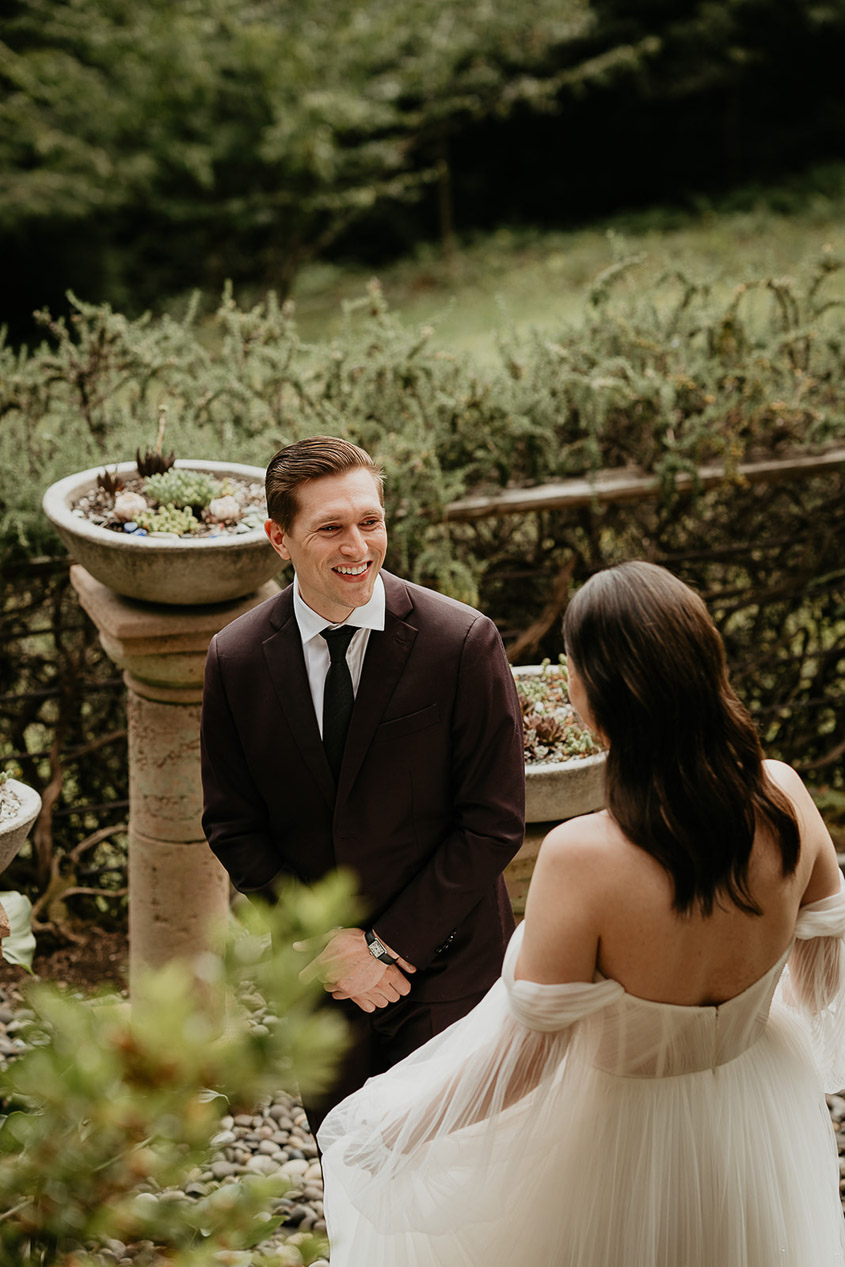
x: 339, y: 697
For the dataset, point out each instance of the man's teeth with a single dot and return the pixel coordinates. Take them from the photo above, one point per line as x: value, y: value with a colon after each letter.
x: 352, y: 571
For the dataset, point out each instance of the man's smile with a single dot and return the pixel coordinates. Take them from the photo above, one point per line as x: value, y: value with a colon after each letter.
x: 357, y: 569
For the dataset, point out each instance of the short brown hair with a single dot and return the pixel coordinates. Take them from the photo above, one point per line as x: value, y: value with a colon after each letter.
x: 312, y: 459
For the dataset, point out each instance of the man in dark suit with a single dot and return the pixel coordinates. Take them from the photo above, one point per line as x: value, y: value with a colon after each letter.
x: 358, y: 720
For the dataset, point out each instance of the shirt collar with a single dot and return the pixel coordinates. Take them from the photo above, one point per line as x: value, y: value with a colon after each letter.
x: 370, y: 616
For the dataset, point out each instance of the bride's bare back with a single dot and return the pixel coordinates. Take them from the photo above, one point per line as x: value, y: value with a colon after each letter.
x: 599, y: 904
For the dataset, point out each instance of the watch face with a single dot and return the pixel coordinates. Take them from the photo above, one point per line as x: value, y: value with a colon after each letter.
x: 377, y: 950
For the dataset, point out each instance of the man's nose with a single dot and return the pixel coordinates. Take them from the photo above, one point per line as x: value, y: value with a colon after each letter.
x: 353, y: 541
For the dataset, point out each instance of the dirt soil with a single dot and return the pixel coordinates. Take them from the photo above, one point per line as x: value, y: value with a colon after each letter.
x: 97, y: 961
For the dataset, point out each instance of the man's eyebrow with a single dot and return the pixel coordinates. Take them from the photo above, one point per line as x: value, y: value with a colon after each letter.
x: 332, y: 517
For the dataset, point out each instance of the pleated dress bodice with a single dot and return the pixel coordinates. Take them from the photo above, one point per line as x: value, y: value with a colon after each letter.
x: 638, y: 1038
x: 632, y: 1037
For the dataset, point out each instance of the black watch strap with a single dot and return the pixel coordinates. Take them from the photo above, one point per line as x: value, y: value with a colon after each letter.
x: 377, y: 949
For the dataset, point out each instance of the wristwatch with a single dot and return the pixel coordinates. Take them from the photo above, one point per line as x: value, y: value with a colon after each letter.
x: 377, y: 949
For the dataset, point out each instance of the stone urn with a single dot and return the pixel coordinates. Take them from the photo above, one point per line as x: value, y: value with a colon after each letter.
x: 554, y: 791
x: 20, y: 805
x: 177, y: 571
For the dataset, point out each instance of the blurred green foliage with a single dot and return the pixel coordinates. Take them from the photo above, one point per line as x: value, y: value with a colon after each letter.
x: 112, y: 1106
x: 251, y: 132
x: 148, y: 147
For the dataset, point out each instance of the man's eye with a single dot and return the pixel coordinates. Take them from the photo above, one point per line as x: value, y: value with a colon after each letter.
x: 329, y: 528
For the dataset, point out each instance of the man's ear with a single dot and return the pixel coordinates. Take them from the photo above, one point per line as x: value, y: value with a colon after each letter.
x: 276, y: 537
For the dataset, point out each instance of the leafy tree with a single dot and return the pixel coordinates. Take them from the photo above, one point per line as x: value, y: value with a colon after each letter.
x: 151, y: 146
x: 170, y: 129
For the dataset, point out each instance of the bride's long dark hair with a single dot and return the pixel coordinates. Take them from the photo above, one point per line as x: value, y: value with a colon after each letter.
x: 685, y: 778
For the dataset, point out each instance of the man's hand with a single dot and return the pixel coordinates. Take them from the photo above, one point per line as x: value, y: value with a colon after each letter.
x: 348, y: 971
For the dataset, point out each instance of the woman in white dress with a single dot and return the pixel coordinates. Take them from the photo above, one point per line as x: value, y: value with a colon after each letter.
x: 644, y: 1085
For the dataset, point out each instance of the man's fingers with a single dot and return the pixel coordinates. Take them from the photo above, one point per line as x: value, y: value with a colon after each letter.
x: 314, y: 945
x: 396, y: 979
x: 310, y: 971
x: 372, y: 1000
x: 376, y: 1001
x: 363, y: 1002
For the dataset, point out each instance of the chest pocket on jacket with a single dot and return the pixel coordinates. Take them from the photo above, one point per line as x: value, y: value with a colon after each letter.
x: 402, y: 726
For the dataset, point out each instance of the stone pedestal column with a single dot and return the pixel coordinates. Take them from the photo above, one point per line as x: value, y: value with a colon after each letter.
x: 177, y: 888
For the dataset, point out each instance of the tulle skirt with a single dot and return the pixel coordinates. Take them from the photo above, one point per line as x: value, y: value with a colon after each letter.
x: 730, y: 1167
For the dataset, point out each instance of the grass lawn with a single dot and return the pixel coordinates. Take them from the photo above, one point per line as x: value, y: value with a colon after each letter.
x: 523, y: 279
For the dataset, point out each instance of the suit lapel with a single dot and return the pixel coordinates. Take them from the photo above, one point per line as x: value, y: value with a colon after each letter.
x: 286, y: 666
x: 387, y: 653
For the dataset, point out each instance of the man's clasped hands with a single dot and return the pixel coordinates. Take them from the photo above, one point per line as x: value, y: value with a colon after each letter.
x: 348, y: 970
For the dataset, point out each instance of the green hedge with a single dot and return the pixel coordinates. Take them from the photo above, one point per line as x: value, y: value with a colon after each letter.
x: 663, y: 384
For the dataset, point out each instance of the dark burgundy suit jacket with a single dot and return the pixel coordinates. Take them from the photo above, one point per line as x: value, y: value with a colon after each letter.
x: 429, y: 806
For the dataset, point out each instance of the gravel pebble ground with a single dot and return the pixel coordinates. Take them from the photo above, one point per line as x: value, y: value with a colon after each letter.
x: 273, y: 1139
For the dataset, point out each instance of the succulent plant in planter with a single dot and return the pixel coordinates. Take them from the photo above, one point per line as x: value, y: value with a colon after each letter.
x: 553, y: 731
x: 164, y: 531
x: 564, y: 764
x: 182, y: 501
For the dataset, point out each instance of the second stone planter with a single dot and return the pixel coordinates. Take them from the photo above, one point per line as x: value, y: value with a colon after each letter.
x: 554, y: 791
x: 564, y: 789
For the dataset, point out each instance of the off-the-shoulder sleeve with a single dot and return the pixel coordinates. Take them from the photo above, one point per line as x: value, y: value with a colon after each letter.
x: 813, y: 984
x: 552, y: 1008
x: 444, y: 1108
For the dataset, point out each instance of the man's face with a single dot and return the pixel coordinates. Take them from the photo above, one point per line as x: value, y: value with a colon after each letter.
x: 336, y: 542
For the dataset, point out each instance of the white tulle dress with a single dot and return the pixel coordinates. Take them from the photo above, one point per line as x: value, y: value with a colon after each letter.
x: 579, y: 1126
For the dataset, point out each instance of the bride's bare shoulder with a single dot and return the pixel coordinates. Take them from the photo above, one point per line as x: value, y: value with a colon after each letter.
x: 591, y: 856
x: 574, y: 886
x: 818, y: 864
x: 784, y: 777
x: 594, y: 826
x: 584, y: 851
x: 586, y: 834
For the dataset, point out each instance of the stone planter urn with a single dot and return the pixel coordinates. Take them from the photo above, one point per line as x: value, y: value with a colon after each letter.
x: 554, y: 791
x: 20, y: 805
x: 564, y: 789
x: 177, y: 571
x: 157, y: 600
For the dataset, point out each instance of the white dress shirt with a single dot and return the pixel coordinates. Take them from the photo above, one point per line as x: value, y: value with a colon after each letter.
x: 315, y: 648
